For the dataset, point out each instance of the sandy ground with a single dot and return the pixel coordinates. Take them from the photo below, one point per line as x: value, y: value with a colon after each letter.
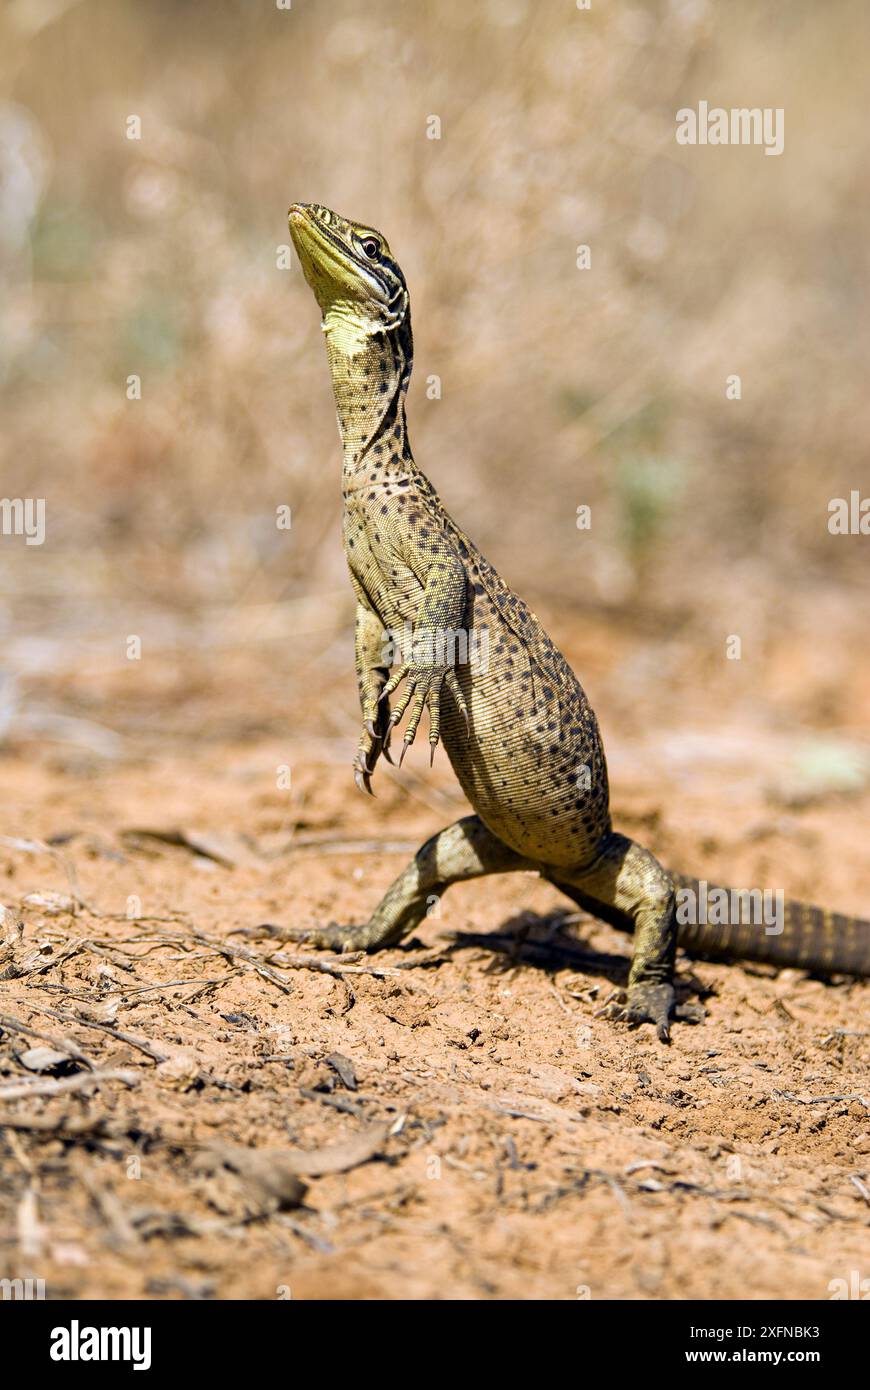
x: 463, y: 1122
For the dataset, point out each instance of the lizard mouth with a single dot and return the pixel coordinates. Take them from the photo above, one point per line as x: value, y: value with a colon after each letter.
x: 328, y: 261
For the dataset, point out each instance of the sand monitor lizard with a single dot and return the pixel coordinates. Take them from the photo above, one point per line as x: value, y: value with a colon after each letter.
x: 516, y: 725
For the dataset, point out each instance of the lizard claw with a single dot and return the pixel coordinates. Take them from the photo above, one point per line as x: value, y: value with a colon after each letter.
x: 372, y: 742
x: 363, y: 781
x: 394, y: 681
x: 362, y: 773
x: 646, y: 1002
x: 387, y: 739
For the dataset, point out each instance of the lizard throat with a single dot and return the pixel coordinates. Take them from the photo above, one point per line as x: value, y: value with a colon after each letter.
x: 370, y: 373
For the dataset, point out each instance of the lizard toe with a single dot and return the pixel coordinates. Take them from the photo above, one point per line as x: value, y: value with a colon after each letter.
x: 334, y: 937
x: 690, y: 1012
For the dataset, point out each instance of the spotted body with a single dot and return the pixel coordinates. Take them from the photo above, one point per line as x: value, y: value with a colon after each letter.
x: 515, y: 722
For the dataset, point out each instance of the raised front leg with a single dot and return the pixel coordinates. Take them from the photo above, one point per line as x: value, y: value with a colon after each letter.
x: 433, y: 656
x: 628, y: 887
x: 463, y: 851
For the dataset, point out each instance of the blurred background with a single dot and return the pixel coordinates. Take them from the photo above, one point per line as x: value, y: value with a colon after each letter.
x: 160, y: 257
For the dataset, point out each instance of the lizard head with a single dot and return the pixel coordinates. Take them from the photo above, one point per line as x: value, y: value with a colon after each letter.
x: 360, y: 289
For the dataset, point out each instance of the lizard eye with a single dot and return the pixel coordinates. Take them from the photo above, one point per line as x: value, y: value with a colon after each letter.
x: 370, y: 247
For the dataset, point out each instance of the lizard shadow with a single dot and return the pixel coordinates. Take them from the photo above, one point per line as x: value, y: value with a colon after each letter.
x: 540, y: 940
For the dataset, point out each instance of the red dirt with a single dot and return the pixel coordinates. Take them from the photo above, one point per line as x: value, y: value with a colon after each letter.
x: 535, y: 1150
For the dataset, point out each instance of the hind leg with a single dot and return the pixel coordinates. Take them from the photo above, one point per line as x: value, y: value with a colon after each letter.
x: 463, y: 851
x: 627, y: 887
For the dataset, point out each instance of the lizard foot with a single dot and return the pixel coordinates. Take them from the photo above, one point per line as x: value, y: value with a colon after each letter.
x: 651, y: 1003
x: 425, y: 683
x: 334, y: 937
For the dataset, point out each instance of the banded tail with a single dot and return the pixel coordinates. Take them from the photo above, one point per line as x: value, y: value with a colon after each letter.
x: 829, y: 943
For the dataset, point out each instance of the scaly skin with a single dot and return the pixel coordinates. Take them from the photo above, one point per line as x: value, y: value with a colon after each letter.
x: 516, y: 725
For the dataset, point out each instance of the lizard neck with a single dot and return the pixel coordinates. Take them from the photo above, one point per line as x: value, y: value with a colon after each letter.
x: 371, y: 368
